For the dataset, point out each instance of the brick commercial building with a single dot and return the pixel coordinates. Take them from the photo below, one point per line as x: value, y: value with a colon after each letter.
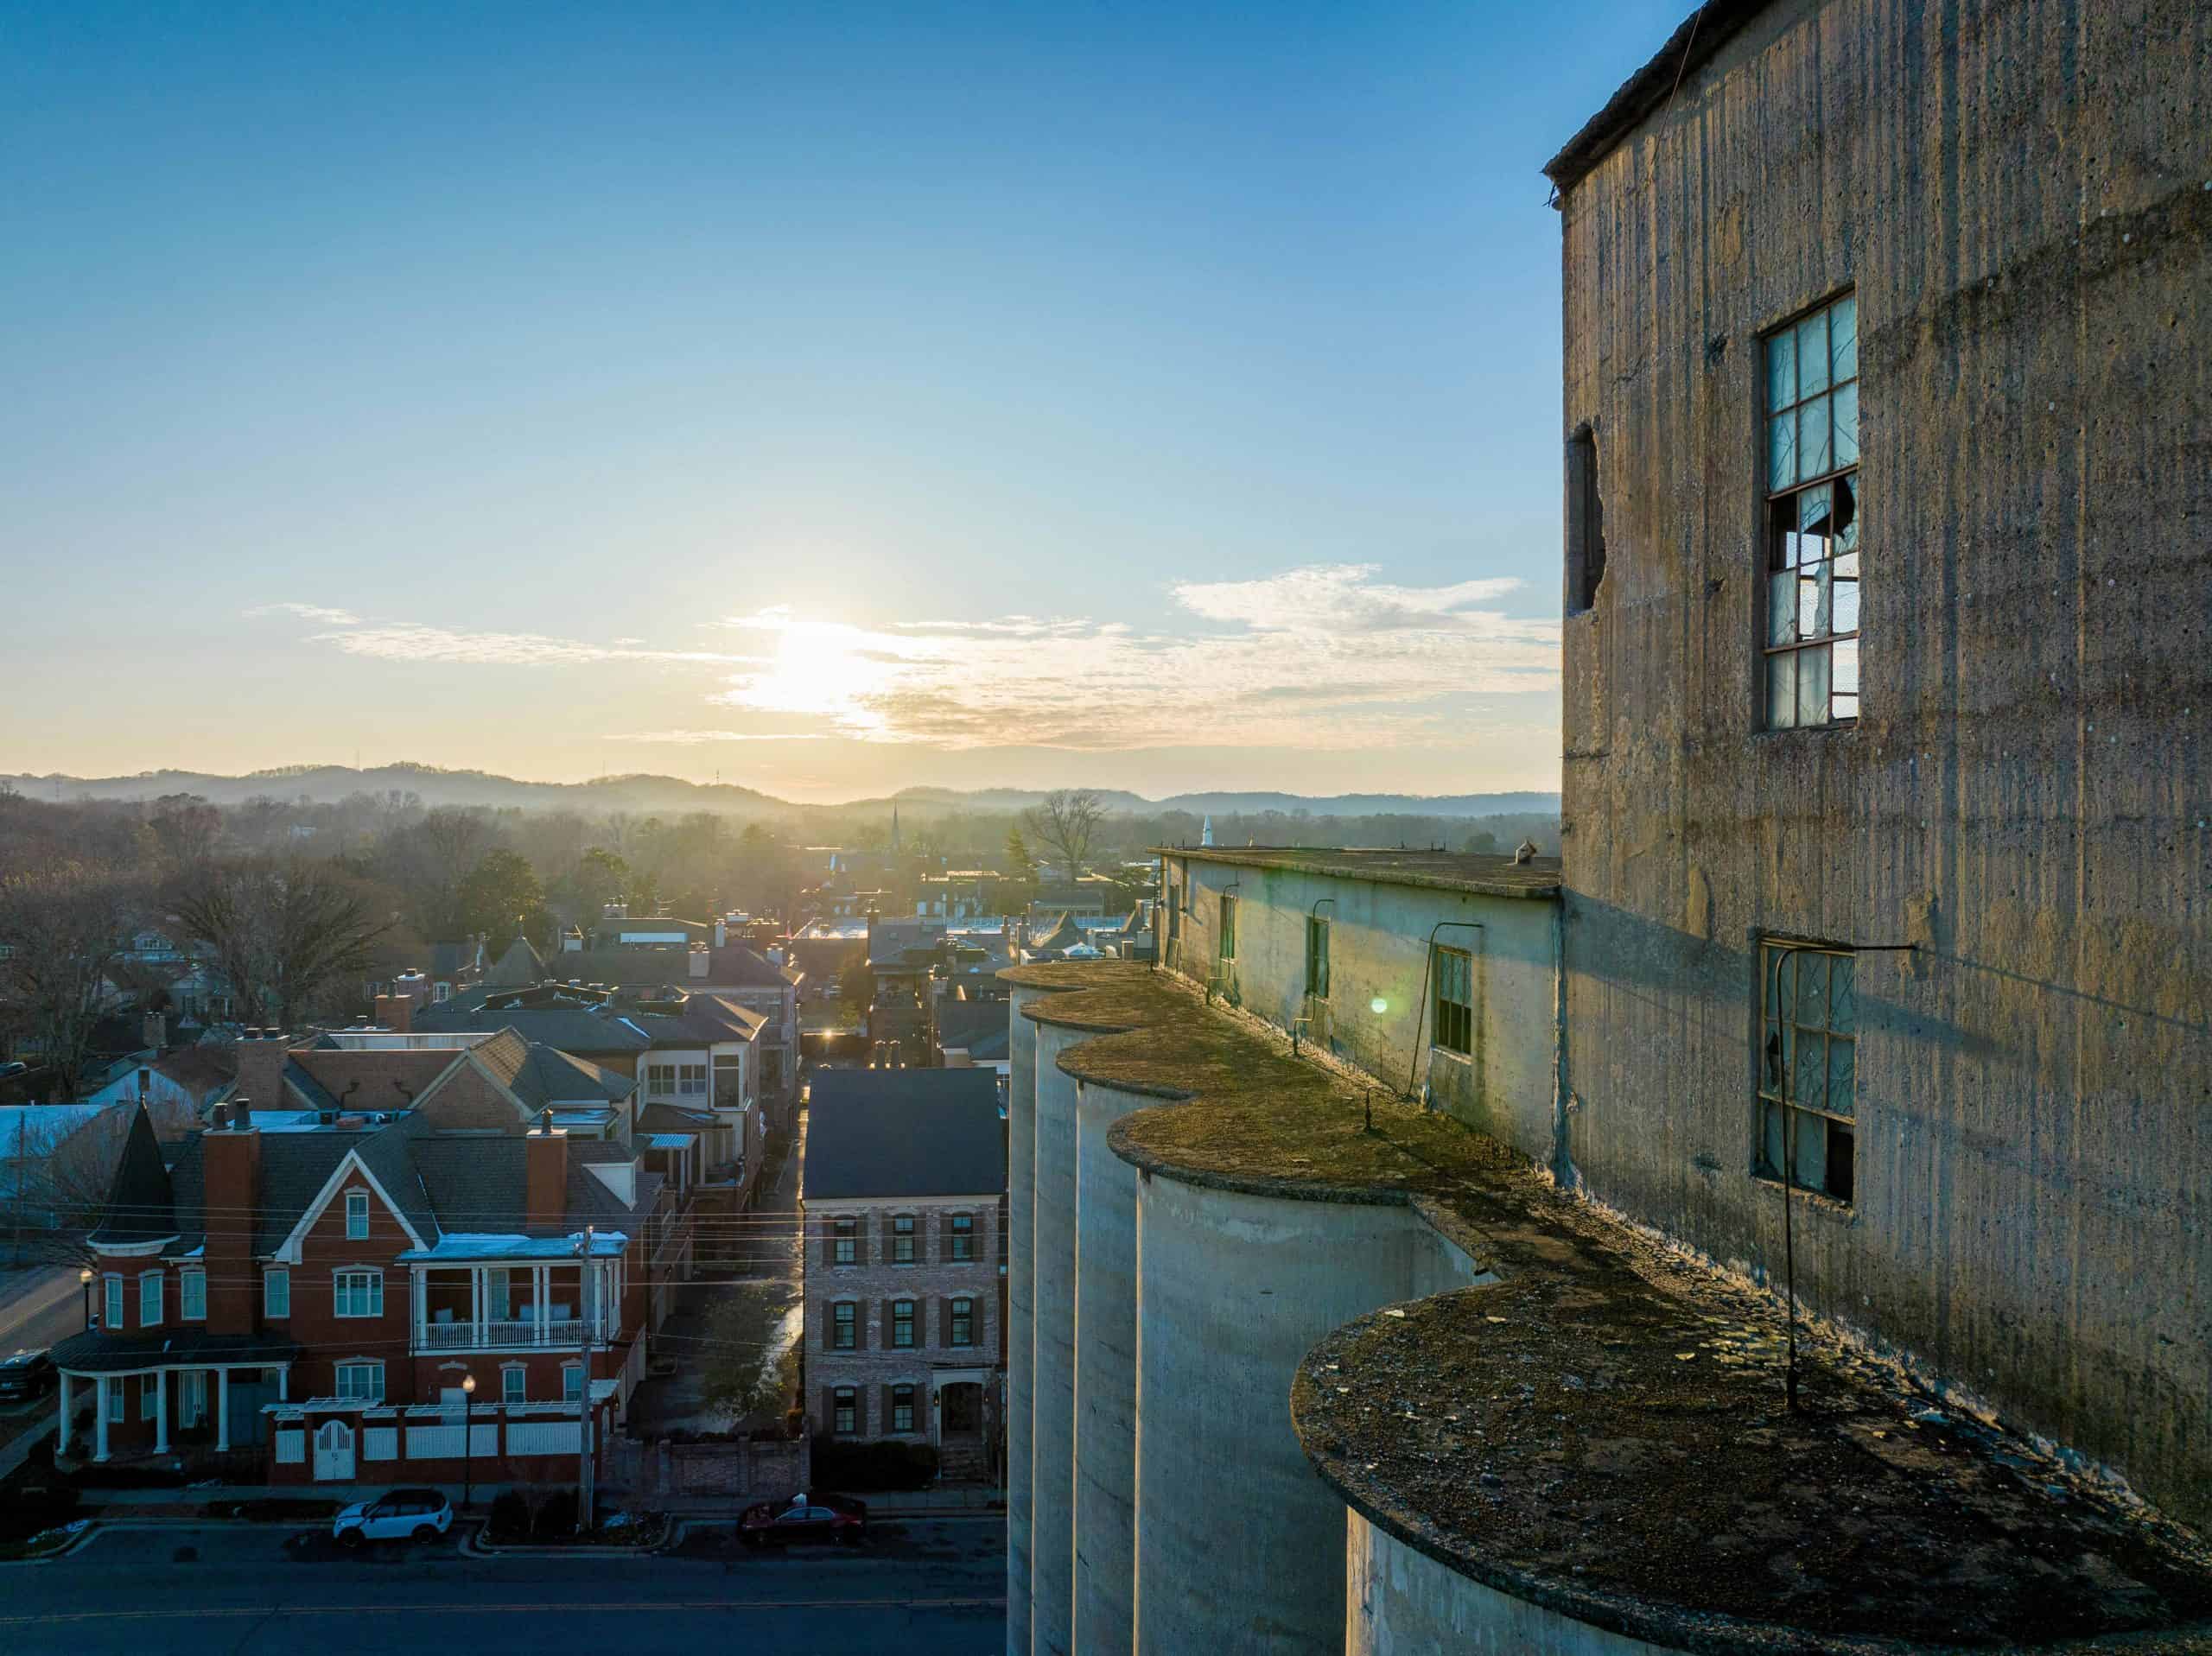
x: 905, y: 1170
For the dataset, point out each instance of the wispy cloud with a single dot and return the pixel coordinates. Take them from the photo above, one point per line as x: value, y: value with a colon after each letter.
x: 1324, y: 657
x: 314, y: 613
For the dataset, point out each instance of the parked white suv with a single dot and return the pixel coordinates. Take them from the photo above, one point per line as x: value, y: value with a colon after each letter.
x: 400, y: 1515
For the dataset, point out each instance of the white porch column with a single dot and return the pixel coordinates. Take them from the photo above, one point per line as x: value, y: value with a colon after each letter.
x: 222, y: 1408
x: 418, y: 1304
x: 160, y: 1410
x: 61, y: 1439
x: 480, y: 1285
x: 540, y: 1289
x: 100, y: 1383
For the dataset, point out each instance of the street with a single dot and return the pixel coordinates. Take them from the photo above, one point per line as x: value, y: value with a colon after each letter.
x: 39, y: 1306
x: 927, y: 1586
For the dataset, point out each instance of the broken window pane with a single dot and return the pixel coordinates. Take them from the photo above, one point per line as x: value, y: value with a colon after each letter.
x: 1782, y: 691
x: 1782, y: 607
x: 1781, y: 451
x: 1842, y: 1056
x: 1843, y: 338
x: 1811, y: 1076
x: 1812, y: 1137
x: 1847, y: 424
x: 1814, y: 509
x: 1844, y: 613
x: 1813, y: 685
x: 1781, y: 370
x: 1813, y: 437
x: 1812, y: 601
x: 1813, y: 354
x: 1843, y: 1004
x: 1810, y: 971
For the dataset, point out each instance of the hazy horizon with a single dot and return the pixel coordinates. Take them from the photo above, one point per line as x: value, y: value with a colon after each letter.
x: 832, y: 402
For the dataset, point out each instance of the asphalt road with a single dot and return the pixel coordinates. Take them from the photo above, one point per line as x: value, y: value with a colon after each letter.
x: 40, y: 1307
x: 934, y: 1588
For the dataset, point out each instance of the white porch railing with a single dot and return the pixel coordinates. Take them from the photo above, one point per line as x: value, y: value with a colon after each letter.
x: 525, y: 1335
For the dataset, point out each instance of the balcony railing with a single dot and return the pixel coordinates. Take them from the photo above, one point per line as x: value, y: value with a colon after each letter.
x: 466, y: 1337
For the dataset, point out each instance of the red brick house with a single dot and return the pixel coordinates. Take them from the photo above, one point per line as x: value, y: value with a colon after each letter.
x: 321, y: 1293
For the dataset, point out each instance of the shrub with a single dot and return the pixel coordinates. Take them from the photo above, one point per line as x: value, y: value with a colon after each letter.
x: 557, y: 1517
x: 510, y: 1515
x: 32, y: 1501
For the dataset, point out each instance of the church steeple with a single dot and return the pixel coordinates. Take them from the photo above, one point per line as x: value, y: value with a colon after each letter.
x: 894, y: 828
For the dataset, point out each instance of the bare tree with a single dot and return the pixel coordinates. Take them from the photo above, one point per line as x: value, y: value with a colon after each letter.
x: 1066, y: 822
x: 285, y: 931
x: 63, y: 925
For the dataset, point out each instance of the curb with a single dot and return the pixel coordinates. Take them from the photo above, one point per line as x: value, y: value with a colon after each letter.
x: 75, y: 1541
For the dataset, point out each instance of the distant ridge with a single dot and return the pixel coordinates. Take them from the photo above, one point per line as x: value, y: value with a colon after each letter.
x: 326, y: 785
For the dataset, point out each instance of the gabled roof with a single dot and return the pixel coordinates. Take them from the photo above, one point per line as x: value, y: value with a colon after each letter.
x: 972, y: 1025
x: 1064, y: 935
x: 141, y: 1205
x: 520, y: 965
x: 904, y: 1132
x: 571, y: 1028
x: 552, y: 1077
x: 702, y: 1020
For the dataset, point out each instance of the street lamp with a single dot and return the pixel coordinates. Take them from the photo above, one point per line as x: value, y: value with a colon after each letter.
x: 85, y: 1286
x: 467, y: 1442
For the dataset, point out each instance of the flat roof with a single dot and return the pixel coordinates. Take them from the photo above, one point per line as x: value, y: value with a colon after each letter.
x: 1490, y: 875
x: 1693, y: 44
x: 1621, y: 1402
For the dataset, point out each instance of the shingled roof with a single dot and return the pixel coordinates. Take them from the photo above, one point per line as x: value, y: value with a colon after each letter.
x: 141, y: 1203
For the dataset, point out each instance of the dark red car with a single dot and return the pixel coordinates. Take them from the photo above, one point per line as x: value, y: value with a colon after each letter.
x: 807, y: 1516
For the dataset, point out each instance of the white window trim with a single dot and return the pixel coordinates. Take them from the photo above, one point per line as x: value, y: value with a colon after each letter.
x: 521, y: 1393
x: 185, y: 1281
x: 153, y: 1277
x: 353, y: 1169
x: 576, y: 1369
x: 337, y: 1277
x: 338, y: 1379
x: 270, y: 1278
x: 114, y: 1305
x: 361, y: 1235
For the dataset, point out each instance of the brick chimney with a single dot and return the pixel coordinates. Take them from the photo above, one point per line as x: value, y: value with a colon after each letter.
x: 230, y: 1174
x: 396, y: 1012
x: 262, y: 1055
x: 545, y: 1180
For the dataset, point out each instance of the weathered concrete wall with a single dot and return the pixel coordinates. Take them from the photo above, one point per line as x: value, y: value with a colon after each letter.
x: 2018, y: 193
x: 1105, y: 1377
x: 1379, y: 939
x: 1020, y: 1184
x: 1051, y: 1439
x: 1399, y: 1602
x: 1236, y: 1540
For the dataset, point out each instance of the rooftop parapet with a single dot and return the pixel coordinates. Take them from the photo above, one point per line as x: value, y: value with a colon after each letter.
x: 1602, y: 1432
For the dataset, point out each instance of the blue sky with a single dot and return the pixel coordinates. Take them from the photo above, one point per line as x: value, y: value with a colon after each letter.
x: 832, y: 397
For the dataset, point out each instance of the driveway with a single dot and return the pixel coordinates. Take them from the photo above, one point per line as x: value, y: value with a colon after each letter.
x: 932, y: 1587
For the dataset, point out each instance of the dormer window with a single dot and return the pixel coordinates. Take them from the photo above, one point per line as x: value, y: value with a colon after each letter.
x: 357, y: 1215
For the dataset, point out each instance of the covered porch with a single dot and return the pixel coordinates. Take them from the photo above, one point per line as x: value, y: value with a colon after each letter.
x: 467, y: 1297
x: 189, y: 1392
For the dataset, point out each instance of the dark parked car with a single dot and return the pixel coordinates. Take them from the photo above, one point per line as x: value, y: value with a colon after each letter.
x: 27, y: 1374
x: 807, y: 1516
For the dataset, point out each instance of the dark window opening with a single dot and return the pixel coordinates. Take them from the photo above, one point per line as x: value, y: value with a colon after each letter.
x: 1585, y: 523
x: 1808, y: 1068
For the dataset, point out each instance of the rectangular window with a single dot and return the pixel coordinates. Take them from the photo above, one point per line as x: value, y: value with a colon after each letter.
x: 115, y: 1402
x: 1228, y: 927
x: 1811, y: 560
x: 902, y: 1408
x: 842, y: 1241
x: 190, y: 1397
x: 842, y: 1409
x: 112, y: 1317
x: 361, y: 1382
x: 902, y: 1322
x: 361, y: 1293
x: 357, y: 1215
x: 1316, y: 957
x: 691, y: 1080
x: 1455, y: 1000
x: 514, y: 1383
x: 963, y: 1236
x: 902, y: 1240
x: 277, y: 1292
x: 572, y: 1382
x: 149, y: 1395
x: 192, y: 1291
x: 1808, y: 1065
x: 844, y: 1326
x: 150, y: 1300
x: 660, y: 1079
x: 963, y: 1322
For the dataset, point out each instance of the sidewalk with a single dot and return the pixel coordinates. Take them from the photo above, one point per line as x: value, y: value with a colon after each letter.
x: 211, y: 1500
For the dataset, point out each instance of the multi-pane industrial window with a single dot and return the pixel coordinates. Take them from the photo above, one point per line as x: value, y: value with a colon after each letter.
x: 1228, y: 927
x: 361, y: 1293
x: 1316, y: 957
x: 1812, y: 510
x: 842, y: 1409
x: 902, y: 1408
x: 963, y: 1322
x: 902, y: 1240
x: 844, y: 1326
x: 361, y: 1382
x: 841, y: 1241
x: 357, y: 1215
x: 1809, y: 1060
x: 963, y: 1236
x: 902, y: 1322
x: 1455, y: 1000
x: 192, y: 1293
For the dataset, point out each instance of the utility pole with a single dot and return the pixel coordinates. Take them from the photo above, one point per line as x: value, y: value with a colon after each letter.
x: 587, y: 1304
